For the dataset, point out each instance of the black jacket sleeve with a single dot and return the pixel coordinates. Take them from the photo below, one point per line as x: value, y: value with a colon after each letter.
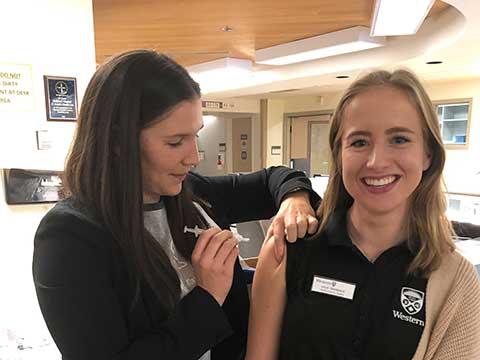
x: 72, y: 270
x: 253, y: 196
x: 467, y: 230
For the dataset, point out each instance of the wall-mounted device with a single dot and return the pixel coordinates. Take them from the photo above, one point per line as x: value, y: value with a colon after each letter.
x: 32, y: 186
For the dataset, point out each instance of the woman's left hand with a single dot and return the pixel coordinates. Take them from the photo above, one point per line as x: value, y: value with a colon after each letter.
x: 294, y: 220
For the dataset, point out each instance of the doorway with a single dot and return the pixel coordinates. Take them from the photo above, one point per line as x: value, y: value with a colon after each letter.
x: 308, y: 149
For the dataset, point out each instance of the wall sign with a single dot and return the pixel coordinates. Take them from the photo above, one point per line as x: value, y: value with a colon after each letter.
x: 212, y: 105
x: 216, y: 105
x: 61, y: 98
x: 276, y: 150
x: 16, y: 87
x: 44, y: 140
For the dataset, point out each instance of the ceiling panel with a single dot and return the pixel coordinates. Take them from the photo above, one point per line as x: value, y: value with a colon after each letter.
x: 191, y: 30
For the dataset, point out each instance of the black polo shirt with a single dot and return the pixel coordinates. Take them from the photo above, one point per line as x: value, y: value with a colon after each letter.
x: 341, y: 306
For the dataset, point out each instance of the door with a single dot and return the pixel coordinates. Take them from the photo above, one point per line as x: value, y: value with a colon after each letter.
x: 309, y: 143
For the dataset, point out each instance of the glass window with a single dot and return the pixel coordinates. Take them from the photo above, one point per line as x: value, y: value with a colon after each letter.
x: 454, y: 122
x: 453, y: 112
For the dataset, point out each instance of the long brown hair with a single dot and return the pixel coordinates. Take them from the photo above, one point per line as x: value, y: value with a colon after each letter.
x: 103, y: 169
x: 429, y: 233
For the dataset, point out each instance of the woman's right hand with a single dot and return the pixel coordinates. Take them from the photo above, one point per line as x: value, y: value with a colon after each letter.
x: 213, y: 259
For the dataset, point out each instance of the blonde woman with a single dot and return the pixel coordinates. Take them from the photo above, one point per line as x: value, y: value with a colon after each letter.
x: 381, y: 278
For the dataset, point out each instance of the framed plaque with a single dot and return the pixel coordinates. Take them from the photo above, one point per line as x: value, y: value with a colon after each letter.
x: 25, y: 186
x: 61, y: 98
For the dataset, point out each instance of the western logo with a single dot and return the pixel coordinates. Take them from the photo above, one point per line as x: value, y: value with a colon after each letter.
x: 399, y: 315
x: 411, y: 300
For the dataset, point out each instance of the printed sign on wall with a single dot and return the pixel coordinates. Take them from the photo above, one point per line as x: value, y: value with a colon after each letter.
x: 61, y: 98
x: 16, y: 87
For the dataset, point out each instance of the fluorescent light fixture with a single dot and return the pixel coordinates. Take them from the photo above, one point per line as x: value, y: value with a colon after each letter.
x: 226, y: 68
x: 335, y: 43
x: 399, y: 17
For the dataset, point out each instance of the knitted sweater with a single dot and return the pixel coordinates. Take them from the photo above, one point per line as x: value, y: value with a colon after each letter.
x: 452, y: 326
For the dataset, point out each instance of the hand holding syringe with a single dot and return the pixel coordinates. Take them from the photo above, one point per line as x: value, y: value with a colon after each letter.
x: 213, y: 260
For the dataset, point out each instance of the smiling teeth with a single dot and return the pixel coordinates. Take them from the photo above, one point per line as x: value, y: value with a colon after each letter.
x: 380, y: 182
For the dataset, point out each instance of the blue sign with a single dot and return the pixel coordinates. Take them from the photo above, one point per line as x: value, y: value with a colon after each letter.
x: 61, y: 99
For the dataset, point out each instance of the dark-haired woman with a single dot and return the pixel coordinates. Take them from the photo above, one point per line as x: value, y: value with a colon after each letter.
x: 122, y: 268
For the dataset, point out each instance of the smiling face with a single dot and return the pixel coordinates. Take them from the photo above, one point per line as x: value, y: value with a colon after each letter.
x: 169, y: 150
x: 382, y: 150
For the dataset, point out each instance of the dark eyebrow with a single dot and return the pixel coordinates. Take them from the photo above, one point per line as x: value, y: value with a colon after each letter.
x: 183, y: 135
x: 399, y: 129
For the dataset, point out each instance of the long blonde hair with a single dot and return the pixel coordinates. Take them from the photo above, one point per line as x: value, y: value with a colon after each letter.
x: 429, y: 233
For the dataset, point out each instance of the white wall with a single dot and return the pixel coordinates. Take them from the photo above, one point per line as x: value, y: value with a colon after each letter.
x: 18, y: 304
x: 462, y: 164
x: 213, y: 133
x: 324, y: 102
x: 54, y: 37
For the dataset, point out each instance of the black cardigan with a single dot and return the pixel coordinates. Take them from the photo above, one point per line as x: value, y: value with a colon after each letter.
x: 84, y: 293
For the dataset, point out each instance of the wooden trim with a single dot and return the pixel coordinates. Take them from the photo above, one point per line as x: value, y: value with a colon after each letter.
x: 287, y: 140
x: 263, y: 131
x: 191, y: 31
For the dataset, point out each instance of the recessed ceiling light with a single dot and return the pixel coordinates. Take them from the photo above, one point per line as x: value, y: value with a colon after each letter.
x: 342, y: 77
x: 227, y: 28
x: 434, y: 62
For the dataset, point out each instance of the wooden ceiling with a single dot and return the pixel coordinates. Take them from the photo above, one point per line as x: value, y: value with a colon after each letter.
x: 191, y: 32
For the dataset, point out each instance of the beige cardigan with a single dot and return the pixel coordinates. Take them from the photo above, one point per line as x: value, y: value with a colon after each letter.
x: 452, y: 326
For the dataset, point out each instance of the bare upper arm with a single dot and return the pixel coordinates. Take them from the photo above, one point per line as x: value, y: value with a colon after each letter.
x: 268, y: 304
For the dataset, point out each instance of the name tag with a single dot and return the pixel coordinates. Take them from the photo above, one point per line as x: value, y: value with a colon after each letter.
x: 333, y: 287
